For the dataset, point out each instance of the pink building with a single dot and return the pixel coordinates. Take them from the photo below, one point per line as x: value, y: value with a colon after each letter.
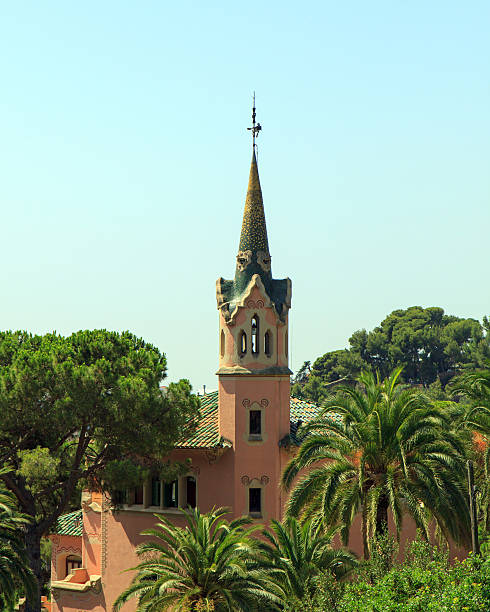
x: 238, y: 451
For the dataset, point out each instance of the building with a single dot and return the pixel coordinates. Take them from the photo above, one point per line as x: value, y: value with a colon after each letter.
x: 238, y: 451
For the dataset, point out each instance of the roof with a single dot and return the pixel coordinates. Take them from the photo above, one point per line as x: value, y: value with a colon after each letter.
x: 207, y: 433
x: 253, y: 258
x: 70, y: 524
x: 254, y: 232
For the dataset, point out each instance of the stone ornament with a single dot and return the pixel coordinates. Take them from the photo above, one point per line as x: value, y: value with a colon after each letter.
x: 264, y: 260
x: 243, y: 259
x: 246, y: 480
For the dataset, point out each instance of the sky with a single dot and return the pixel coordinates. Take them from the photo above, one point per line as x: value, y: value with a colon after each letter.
x: 124, y: 164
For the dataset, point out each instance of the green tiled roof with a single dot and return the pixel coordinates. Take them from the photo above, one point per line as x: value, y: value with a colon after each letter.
x: 70, y: 524
x: 207, y: 435
x: 303, y: 411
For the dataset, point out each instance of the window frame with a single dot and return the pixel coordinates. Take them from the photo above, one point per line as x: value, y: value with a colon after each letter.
x: 242, y: 343
x: 268, y: 337
x: 255, y: 335
x: 256, y: 513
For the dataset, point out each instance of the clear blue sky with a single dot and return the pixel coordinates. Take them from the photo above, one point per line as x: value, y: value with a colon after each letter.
x: 124, y: 163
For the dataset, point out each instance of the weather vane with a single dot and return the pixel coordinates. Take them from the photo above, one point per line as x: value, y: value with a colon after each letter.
x: 255, y: 129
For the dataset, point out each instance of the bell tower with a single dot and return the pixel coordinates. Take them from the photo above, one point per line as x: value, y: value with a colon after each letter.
x: 253, y: 372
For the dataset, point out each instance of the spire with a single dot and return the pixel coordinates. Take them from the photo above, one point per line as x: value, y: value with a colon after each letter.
x: 254, y: 232
x: 253, y: 261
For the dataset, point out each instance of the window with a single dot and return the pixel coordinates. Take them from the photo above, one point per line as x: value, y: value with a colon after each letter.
x: 222, y: 344
x: 156, y: 494
x: 255, y: 335
x: 254, y: 500
x: 72, y: 563
x: 138, y: 495
x: 267, y: 343
x: 171, y: 494
x: 191, y: 497
x: 243, y: 343
x: 255, y: 422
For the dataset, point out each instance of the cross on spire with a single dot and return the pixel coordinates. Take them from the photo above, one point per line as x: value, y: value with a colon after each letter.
x: 256, y: 127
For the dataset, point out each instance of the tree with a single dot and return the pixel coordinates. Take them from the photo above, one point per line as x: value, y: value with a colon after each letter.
x: 69, y: 409
x: 15, y: 574
x: 376, y: 448
x: 211, y: 563
x: 429, y: 344
x: 303, y: 373
x: 302, y: 554
x: 474, y: 387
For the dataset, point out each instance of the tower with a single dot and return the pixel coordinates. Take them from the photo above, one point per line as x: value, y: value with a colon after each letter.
x: 254, y: 384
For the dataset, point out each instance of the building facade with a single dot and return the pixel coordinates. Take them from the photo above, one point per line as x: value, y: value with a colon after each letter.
x: 238, y: 452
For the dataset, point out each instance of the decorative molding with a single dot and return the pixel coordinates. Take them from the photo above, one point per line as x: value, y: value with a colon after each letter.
x: 213, y: 454
x: 264, y: 260
x: 255, y: 281
x: 195, y: 469
x: 243, y: 259
x: 68, y: 549
x: 103, y: 534
x: 263, y: 480
x: 258, y: 304
x: 93, y: 583
x: 246, y: 403
x: 94, y: 506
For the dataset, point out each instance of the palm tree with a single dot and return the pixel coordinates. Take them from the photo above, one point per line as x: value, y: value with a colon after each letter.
x: 210, y: 563
x: 376, y: 448
x: 15, y: 574
x: 475, y: 387
x: 475, y: 418
x: 298, y: 554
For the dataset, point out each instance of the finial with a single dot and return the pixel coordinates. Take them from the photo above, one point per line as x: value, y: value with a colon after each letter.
x: 255, y: 129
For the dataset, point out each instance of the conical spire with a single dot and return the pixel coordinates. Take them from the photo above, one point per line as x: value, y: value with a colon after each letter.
x: 254, y: 232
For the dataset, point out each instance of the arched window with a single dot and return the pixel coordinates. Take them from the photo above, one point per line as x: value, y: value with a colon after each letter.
x: 255, y: 335
x: 243, y: 343
x: 222, y: 344
x: 267, y: 343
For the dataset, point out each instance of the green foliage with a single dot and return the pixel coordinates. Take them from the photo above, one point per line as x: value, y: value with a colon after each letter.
x: 474, y: 387
x: 376, y: 448
x: 436, y: 587
x: 427, y: 343
x: 16, y: 579
x: 69, y: 410
x: 324, y: 597
x: 301, y: 554
x: 38, y: 469
x: 210, y: 564
x: 425, y: 581
x: 384, y: 550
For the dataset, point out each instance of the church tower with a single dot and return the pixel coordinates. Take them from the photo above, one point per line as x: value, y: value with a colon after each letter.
x: 254, y: 384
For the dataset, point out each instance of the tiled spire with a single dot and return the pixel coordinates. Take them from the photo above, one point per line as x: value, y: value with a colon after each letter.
x: 254, y: 232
